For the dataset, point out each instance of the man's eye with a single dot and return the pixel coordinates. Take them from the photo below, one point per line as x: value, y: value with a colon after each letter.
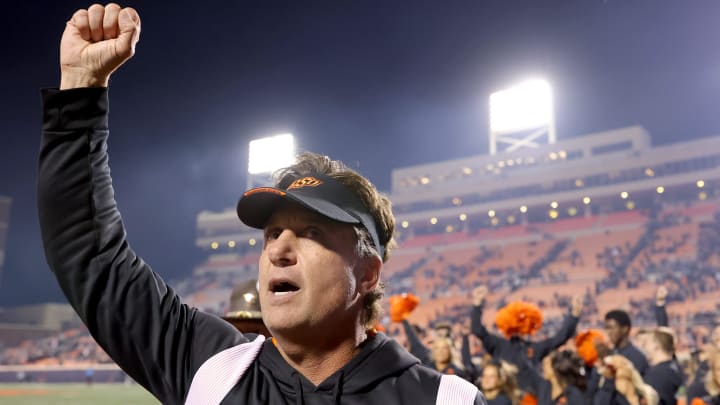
x: 272, y: 234
x: 312, y: 233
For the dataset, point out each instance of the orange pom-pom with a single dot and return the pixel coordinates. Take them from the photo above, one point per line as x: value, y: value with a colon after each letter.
x: 528, y: 399
x: 586, y: 345
x: 402, y: 305
x: 697, y: 401
x: 519, y: 318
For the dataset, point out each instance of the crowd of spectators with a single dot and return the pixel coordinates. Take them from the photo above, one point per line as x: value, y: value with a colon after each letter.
x: 73, y: 347
x: 657, y: 257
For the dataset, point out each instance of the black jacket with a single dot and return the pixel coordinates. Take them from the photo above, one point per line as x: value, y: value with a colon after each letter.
x: 666, y: 378
x: 508, y: 349
x: 636, y: 357
x: 138, y: 319
x: 505, y: 349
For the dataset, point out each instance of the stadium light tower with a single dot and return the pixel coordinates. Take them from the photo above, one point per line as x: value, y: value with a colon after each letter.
x: 267, y: 155
x: 521, y: 115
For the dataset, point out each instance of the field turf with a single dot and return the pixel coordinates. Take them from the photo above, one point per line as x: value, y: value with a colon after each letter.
x: 75, y: 394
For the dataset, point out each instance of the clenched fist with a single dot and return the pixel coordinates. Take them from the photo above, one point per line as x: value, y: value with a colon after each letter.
x: 479, y: 294
x: 95, y: 43
x: 661, y: 296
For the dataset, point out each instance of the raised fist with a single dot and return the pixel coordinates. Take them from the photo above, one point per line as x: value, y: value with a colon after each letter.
x: 95, y: 43
x: 577, y: 305
x: 661, y: 296
x: 479, y: 294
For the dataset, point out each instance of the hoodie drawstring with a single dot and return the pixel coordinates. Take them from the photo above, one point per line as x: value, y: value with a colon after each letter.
x: 337, y: 391
x: 298, y: 391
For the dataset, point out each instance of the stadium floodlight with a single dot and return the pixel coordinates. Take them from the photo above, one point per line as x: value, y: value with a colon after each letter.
x: 527, y: 107
x: 271, y: 153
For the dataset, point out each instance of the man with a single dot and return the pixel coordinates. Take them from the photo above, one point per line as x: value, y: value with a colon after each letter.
x: 244, y: 312
x: 517, y: 349
x: 327, y: 232
x: 608, y: 390
x: 498, y: 345
x: 664, y: 373
x: 617, y: 326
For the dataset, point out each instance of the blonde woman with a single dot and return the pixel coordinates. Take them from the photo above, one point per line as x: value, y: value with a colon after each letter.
x: 498, y: 384
x: 711, y: 394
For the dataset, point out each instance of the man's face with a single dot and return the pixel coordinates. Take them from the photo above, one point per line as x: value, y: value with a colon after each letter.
x: 615, y: 332
x: 309, y: 272
x: 646, y: 343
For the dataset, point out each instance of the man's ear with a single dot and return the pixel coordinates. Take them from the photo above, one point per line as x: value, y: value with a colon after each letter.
x: 369, y: 277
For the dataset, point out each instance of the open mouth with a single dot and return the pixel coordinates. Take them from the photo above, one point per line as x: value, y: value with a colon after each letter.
x: 283, y: 287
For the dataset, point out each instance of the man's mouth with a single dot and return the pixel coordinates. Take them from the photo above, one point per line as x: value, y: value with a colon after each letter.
x: 283, y: 287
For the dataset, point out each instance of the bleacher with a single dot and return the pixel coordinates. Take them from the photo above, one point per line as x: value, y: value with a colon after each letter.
x: 597, y: 246
x: 443, y: 269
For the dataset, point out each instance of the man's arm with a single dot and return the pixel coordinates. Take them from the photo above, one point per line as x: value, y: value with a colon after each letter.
x: 491, y: 342
x: 417, y: 348
x: 661, y: 315
x: 470, y: 368
x: 567, y: 330
x: 134, y: 316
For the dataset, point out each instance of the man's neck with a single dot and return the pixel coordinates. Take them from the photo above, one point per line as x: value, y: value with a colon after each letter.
x: 320, y: 359
x: 659, y: 358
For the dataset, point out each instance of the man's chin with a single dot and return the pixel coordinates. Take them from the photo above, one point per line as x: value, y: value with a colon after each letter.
x: 285, y: 324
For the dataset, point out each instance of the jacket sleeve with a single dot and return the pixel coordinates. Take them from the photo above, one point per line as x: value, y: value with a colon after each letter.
x: 661, y: 315
x: 491, y: 342
x: 470, y: 368
x: 417, y: 348
x: 567, y: 330
x: 129, y: 310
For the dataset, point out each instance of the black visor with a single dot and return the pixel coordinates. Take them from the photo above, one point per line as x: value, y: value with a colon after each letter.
x: 316, y: 192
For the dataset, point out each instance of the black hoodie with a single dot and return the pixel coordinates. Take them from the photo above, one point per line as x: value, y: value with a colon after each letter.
x: 139, y: 320
x: 383, y: 373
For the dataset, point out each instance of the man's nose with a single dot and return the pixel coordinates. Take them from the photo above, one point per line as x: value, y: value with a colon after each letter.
x: 281, y: 250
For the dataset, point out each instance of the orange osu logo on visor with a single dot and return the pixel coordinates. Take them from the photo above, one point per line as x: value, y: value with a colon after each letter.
x: 305, y: 182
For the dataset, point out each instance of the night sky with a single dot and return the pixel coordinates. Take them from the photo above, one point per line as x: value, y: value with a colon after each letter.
x: 377, y: 84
